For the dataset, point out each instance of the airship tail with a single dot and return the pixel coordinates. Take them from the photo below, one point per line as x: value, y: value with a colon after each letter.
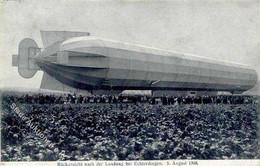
x: 25, y: 60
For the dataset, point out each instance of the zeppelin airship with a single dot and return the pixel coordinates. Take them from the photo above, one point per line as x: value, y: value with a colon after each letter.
x: 80, y: 61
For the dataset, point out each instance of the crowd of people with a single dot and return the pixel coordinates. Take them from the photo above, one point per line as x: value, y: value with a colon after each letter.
x: 165, y: 100
x: 127, y: 131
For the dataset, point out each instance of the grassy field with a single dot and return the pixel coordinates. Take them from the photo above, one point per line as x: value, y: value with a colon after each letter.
x: 130, y: 132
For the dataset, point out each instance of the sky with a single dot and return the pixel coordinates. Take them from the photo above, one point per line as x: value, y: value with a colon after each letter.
x: 226, y: 30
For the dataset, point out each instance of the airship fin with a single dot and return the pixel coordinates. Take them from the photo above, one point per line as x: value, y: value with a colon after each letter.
x: 51, y: 37
x: 50, y: 83
x: 25, y: 60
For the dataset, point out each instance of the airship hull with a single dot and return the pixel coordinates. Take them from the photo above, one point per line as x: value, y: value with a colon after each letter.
x: 92, y: 63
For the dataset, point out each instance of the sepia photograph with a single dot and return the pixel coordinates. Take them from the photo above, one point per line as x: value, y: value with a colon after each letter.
x: 146, y: 82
